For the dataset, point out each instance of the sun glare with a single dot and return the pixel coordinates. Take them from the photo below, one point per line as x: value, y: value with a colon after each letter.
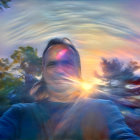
x: 86, y: 86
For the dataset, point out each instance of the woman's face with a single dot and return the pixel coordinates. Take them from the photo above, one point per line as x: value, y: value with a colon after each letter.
x: 60, y: 65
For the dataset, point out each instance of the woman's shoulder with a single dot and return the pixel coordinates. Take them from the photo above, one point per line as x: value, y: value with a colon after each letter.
x: 93, y: 101
x: 20, y: 108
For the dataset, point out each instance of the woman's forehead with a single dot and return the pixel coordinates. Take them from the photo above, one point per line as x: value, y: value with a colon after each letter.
x: 58, y: 52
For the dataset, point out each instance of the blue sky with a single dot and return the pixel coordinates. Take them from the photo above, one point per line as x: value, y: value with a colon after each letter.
x: 99, y: 29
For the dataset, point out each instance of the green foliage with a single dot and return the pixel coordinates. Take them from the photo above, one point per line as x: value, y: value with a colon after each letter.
x: 4, y: 64
x: 17, y: 76
x: 8, y: 82
x: 28, y: 60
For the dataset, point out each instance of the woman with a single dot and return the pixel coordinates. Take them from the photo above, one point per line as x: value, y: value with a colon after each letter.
x: 60, y: 113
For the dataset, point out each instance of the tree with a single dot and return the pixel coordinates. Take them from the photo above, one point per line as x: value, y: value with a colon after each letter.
x: 114, y: 69
x: 117, y: 74
x: 18, y: 75
x: 4, y: 4
x: 27, y: 64
x: 4, y: 64
x: 27, y: 61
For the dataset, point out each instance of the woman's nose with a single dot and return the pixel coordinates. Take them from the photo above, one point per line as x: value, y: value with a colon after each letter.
x: 60, y: 68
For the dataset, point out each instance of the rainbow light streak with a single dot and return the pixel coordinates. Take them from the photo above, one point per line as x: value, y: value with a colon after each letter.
x: 61, y: 54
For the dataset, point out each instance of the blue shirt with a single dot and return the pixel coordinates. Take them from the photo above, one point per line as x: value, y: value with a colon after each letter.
x: 89, y: 119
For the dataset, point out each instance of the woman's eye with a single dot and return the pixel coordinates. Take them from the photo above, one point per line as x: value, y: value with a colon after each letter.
x: 67, y: 63
x: 51, y: 64
x: 62, y: 63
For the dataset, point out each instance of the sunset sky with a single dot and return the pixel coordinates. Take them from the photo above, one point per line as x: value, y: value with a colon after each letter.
x: 98, y: 29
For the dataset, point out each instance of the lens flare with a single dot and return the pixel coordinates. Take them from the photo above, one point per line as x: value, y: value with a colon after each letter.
x: 86, y: 86
x: 61, y: 54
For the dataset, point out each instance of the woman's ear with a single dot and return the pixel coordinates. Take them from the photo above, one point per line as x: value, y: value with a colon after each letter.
x: 35, y: 88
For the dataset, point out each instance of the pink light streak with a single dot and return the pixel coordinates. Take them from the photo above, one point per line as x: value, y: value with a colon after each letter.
x: 61, y: 54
